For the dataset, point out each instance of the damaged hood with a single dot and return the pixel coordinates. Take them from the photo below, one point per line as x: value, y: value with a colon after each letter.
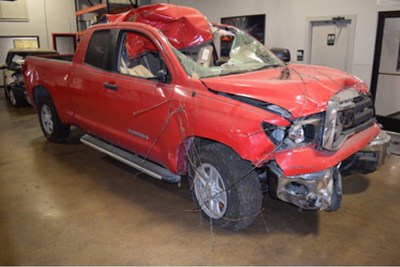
x: 306, y: 91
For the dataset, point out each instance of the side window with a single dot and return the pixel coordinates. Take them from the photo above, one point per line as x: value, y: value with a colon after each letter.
x: 138, y: 56
x: 96, y: 51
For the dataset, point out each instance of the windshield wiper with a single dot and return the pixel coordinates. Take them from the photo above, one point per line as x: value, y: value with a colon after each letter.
x: 269, y: 66
x: 224, y: 73
x: 250, y: 69
x: 285, y: 73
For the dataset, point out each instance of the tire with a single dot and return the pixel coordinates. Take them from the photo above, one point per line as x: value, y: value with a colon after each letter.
x: 14, y: 100
x: 52, y: 127
x: 224, y: 187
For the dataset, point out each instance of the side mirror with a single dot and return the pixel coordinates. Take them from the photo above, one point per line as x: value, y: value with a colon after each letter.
x: 281, y: 53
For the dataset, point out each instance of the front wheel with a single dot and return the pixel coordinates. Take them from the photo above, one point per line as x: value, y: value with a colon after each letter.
x: 224, y: 187
x: 52, y: 127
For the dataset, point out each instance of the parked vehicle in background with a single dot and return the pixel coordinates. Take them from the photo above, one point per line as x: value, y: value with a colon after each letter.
x: 14, y: 87
x: 153, y: 91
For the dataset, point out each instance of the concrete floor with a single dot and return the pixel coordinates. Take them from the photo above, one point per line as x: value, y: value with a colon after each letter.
x: 66, y: 204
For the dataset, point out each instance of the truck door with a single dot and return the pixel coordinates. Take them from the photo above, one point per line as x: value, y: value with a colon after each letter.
x: 139, y: 103
x: 88, y: 96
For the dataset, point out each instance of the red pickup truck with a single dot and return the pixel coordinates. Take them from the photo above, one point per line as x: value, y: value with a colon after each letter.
x: 163, y: 90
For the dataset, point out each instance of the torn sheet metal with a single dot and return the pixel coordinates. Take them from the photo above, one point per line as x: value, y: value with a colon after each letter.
x: 137, y: 45
x: 307, y: 159
x: 183, y: 26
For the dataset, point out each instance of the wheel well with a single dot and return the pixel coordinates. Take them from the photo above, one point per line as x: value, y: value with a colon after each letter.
x: 186, y: 148
x: 39, y: 93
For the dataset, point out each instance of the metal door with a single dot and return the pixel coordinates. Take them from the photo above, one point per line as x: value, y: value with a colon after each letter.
x: 385, y: 84
x: 331, y: 43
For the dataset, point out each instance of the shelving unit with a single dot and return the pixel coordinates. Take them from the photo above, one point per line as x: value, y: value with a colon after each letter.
x: 91, y: 9
x: 89, y: 12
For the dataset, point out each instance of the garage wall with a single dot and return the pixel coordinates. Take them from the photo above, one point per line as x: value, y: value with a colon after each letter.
x: 283, y: 34
x: 45, y: 17
x: 286, y: 24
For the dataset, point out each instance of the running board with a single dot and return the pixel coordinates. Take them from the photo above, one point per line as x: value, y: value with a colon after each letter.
x: 139, y: 163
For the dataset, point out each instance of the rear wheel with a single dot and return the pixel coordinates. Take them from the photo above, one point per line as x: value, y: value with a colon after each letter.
x: 224, y: 187
x: 15, y: 101
x: 52, y: 127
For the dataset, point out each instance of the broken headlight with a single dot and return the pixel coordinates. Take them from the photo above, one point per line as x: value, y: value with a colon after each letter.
x: 302, y: 131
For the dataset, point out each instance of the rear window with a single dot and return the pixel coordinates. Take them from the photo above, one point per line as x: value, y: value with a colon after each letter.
x: 96, y: 51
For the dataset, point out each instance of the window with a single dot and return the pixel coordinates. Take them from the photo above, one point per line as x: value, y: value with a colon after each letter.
x: 138, y: 56
x: 96, y: 55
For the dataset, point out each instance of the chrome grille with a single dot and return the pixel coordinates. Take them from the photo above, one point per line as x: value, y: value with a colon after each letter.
x: 348, y: 113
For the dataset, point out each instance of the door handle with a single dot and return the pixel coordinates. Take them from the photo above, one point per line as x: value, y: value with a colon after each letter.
x: 111, y: 86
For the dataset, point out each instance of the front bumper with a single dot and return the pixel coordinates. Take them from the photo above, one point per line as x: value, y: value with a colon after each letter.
x: 307, y: 159
x: 318, y: 190
x: 322, y: 189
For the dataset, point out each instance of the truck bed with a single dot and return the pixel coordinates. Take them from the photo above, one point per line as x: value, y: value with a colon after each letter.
x: 67, y: 57
x: 50, y: 72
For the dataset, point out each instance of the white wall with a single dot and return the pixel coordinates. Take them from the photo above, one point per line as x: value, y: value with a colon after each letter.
x: 284, y: 34
x: 286, y: 24
x: 45, y: 17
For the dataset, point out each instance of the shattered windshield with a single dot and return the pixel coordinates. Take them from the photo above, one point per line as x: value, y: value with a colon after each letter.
x: 232, y: 51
